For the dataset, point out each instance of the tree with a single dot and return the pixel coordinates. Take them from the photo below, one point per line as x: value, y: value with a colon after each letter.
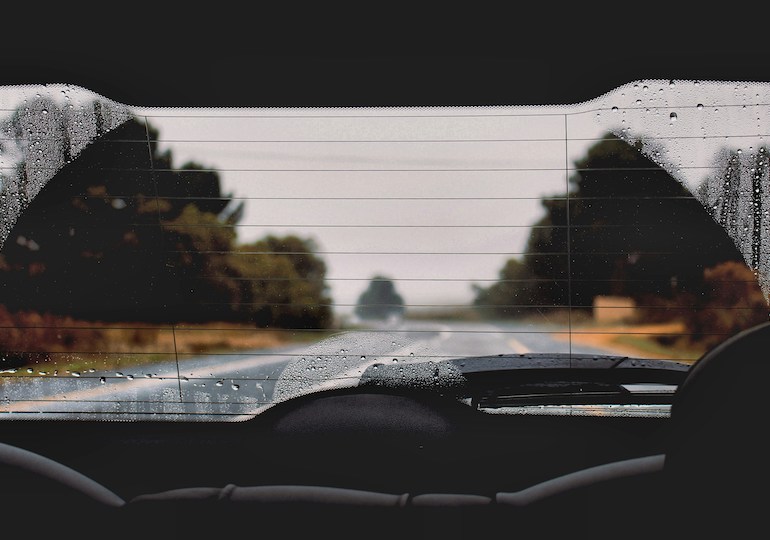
x: 512, y: 295
x: 93, y: 233
x: 631, y: 230
x: 380, y: 300
x: 729, y: 301
x: 286, y: 283
x: 122, y: 234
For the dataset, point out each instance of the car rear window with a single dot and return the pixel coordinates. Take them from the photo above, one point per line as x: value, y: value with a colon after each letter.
x: 206, y: 264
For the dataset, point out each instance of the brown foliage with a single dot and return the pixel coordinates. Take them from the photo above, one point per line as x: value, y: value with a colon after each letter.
x: 731, y: 301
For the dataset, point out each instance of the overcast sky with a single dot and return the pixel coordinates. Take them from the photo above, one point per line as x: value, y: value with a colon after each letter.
x: 464, y: 183
x: 412, y: 194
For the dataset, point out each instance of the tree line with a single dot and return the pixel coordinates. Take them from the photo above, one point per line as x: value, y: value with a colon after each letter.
x: 630, y: 230
x: 121, y: 234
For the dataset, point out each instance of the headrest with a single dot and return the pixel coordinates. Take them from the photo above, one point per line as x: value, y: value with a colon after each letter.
x: 729, y: 383
x: 719, y: 448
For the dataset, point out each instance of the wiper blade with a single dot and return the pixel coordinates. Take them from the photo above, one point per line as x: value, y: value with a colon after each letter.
x: 545, y: 379
x: 562, y: 361
x: 517, y: 374
x: 573, y: 397
x: 513, y: 373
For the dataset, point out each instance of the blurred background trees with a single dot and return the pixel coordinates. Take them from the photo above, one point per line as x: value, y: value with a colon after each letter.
x: 121, y: 234
x: 633, y: 231
x: 380, y: 300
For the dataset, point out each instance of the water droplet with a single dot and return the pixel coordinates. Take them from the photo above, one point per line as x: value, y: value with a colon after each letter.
x: 102, y: 380
x: 235, y: 386
x: 700, y: 106
x: 118, y: 374
x: 395, y: 360
x: 75, y: 374
x: 220, y: 383
x: 638, y: 101
x: 411, y: 354
x: 45, y: 111
x: 30, y: 370
x: 671, y: 84
x: 130, y: 377
x: 614, y: 109
x: 673, y: 116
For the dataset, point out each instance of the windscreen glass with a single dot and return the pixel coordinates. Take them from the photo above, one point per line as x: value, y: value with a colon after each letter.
x: 207, y: 264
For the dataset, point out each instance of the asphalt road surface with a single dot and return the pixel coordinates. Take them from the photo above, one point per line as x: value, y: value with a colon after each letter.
x: 237, y: 385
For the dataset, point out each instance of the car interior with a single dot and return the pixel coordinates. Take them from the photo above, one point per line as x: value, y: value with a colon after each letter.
x: 374, y: 461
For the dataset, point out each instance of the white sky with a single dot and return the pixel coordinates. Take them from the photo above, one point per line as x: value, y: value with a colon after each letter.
x: 433, y: 160
x: 508, y: 156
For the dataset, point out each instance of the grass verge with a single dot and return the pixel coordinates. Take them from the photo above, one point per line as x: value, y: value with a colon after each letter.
x: 88, y: 347
x: 641, y: 340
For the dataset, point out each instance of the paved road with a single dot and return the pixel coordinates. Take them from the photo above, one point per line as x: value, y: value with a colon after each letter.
x: 237, y: 384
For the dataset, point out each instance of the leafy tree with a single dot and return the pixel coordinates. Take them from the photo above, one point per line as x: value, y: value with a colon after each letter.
x: 91, y: 234
x: 729, y: 301
x: 380, y: 300
x: 286, y: 280
x: 120, y: 234
x: 632, y: 230
x: 516, y: 290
